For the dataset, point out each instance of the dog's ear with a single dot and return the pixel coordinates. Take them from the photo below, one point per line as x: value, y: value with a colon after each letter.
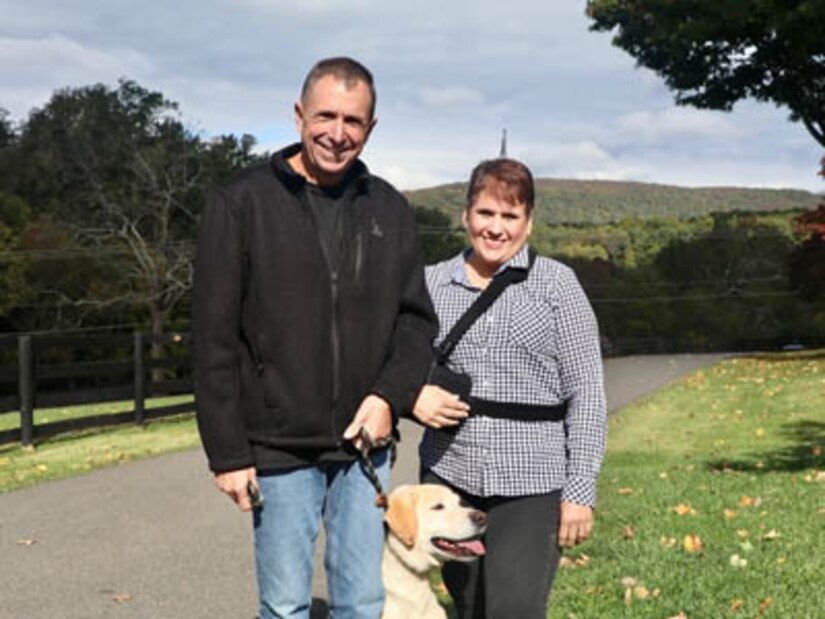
x: 400, y: 516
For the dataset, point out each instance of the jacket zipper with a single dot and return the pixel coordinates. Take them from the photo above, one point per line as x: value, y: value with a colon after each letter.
x: 334, y: 333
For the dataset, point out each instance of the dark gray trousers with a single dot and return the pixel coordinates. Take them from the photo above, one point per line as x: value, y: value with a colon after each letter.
x: 514, y: 577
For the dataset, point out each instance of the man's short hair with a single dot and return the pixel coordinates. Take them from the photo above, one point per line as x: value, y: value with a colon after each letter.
x: 343, y: 69
x: 507, y: 179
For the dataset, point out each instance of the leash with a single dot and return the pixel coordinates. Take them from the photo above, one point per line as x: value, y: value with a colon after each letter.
x: 368, y: 445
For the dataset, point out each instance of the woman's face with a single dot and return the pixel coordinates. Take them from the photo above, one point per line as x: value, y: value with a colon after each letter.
x: 497, y: 230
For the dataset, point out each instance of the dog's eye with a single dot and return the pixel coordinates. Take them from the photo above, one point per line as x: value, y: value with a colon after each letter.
x: 438, y: 506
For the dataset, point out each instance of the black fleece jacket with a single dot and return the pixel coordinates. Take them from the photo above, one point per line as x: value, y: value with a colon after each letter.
x: 287, y: 349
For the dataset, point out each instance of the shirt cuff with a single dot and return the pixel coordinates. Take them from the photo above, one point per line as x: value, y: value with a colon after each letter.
x: 580, y: 490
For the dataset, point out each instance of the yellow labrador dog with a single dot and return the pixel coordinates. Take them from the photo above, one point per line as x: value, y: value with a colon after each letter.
x: 426, y: 525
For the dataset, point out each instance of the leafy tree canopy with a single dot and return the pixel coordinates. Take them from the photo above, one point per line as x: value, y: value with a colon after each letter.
x: 713, y: 53
x: 6, y: 131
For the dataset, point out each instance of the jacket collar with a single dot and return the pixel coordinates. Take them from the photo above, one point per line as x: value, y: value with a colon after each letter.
x: 458, y: 271
x: 356, y: 177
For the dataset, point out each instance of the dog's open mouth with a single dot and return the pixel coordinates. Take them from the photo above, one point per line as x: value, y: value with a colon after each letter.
x: 464, y: 548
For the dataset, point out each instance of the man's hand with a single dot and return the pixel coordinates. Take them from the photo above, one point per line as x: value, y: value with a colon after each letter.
x: 576, y: 524
x: 375, y: 416
x: 234, y: 483
x: 437, y: 408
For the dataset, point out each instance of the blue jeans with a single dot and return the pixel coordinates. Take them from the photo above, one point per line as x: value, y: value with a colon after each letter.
x: 287, y: 526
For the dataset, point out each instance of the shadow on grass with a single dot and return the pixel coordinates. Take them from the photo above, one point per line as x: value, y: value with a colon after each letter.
x: 805, y: 451
x: 796, y: 355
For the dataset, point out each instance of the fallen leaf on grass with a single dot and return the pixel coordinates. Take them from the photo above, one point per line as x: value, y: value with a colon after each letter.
x: 572, y: 563
x: 736, y: 605
x: 628, y: 596
x: 772, y: 535
x: 729, y: 514
x: 693, y: 544
x: 760, y: 432
x: 667, y: 542
x: 737, y: 561
x: 629, y: 533
x: 441, y: 588
x: 625, y: 491
x: 684, y: 509
x: 743, y: 533
x: 765, y: 605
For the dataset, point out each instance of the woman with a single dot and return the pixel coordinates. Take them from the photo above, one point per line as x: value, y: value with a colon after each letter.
x: 534, y: 352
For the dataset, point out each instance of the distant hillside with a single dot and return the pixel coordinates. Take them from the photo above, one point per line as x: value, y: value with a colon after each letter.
x: 570, y: 201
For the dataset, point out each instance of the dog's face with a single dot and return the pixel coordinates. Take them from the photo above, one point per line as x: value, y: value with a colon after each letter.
x: 429, y: 520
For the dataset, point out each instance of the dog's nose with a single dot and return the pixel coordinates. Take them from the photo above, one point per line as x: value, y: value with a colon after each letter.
x: 478, y: 518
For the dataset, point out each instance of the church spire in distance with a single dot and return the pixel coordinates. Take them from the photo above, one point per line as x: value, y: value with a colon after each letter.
x: 503, y: 150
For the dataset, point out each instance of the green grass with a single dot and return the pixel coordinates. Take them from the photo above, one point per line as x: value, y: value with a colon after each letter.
x: 11, y: 420
x: 78, y: 452
x: 737, y: 448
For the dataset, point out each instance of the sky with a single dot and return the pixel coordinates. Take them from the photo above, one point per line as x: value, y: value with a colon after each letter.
x: 450, y: 75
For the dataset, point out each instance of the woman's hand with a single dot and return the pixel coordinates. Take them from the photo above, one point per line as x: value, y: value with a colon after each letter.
x: 576, y: 524
x: 437, y: 408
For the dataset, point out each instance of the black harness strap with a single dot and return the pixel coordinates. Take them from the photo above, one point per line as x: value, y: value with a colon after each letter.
x: 513, y: 275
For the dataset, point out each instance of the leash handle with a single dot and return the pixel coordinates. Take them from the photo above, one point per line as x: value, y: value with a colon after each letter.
x: 366, y: 446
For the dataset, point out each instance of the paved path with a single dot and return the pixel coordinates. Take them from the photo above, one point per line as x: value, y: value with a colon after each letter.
x: 154, y: 540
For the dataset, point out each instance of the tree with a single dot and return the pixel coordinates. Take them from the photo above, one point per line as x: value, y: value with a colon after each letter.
x: 439, y: 239
x: 807, y: 259
x: 713, y: 53
x: 6, y: 130
x: 119, y: 171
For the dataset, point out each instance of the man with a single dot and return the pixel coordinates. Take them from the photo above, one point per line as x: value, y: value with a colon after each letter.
x: 312, y: 321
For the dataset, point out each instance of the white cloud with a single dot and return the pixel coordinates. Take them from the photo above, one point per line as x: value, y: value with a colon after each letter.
x: 450, y: 97
x: 304, y: 7
x: 32, y: 68
x: 450, y: 76
x: 580, y: 160
x: 667, y: 124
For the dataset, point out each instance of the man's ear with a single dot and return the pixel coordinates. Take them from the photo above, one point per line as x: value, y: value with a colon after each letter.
x: 299, y: 116
x: 400, y: 516
x: 370, y: 127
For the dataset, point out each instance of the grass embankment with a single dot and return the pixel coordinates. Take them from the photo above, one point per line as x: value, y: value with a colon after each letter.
x: 712, y: 500
x: 78, y: 452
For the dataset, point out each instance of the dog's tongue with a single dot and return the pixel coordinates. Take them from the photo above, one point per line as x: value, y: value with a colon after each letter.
x: 475, y: 547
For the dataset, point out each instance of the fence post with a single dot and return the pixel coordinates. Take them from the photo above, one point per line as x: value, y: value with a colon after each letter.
x: 140, y: 380
x: 26, y: 389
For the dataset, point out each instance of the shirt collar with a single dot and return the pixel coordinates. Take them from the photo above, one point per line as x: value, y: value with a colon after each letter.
x: 521, y: 260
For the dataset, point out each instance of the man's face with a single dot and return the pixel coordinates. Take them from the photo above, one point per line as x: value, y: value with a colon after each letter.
x: 334, y: 121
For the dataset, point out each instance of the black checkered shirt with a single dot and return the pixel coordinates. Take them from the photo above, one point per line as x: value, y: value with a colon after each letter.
x: 537, y: 344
